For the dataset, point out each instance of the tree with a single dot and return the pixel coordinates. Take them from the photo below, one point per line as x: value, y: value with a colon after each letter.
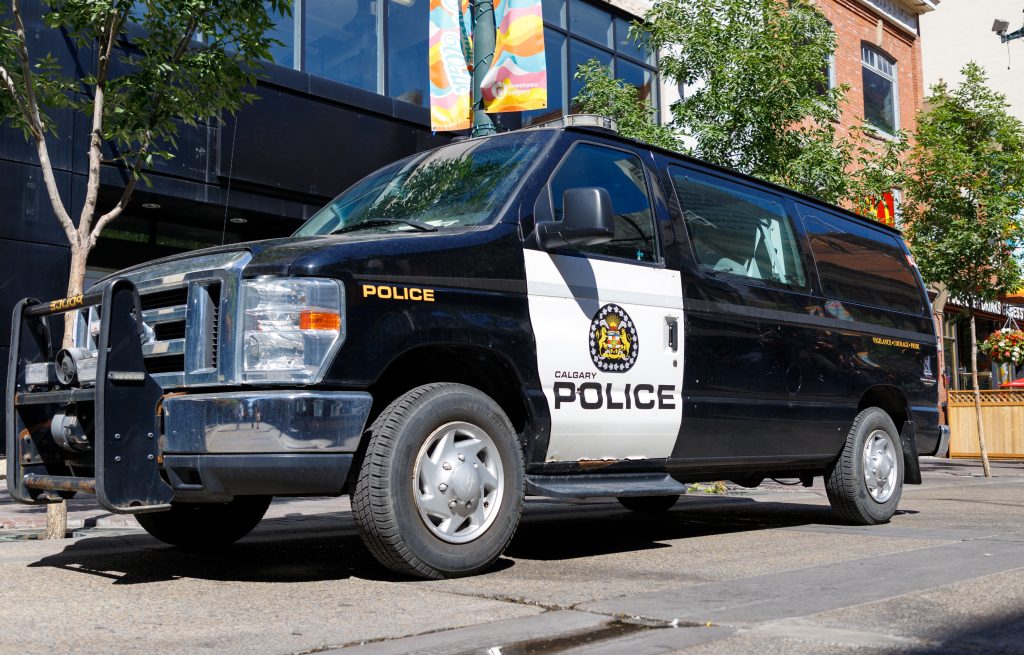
x: 605, y: 95
x: 186, y: 61
x: 758, y: 96
x: 759, y: 99
x: 964, y: 201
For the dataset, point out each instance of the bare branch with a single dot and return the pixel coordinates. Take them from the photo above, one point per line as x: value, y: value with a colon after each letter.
x: 26, y: 71
x: 105, y: 49
x: 13, y: 89
x: 122, y: 203
x: 36, y: 123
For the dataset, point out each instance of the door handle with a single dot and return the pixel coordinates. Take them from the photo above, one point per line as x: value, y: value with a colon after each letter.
x: 673, y: 333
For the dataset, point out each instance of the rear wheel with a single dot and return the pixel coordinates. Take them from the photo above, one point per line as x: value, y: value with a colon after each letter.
x: 865, y: 483
x: 648, y: 504
x: 440, y: 490
x: 206, y: 525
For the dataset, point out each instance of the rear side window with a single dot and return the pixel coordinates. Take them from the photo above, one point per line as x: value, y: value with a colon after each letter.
x: 861, y: 265
x: 738, y: 230
x: 622, y: 174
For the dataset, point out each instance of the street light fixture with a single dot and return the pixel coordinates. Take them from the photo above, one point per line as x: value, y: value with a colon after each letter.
x: 1000, y: 27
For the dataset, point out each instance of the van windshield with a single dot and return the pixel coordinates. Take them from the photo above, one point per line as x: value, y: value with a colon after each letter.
x: 460, y: 185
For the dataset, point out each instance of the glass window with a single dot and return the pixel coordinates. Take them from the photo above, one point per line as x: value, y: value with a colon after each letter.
x: 342, y: 38
x: 737, y: 230
x: 408, y: 77
x: 641, y: 78
x: 554, y: 55
x: 622, y: 174
x: 554, y: 12
x: 282, y: 54
x: 459, y: 185
x: 579, y: 54
x: 862, y: 265
x: 628, y: 46
x: 879, y: 76
x: 590, y: 22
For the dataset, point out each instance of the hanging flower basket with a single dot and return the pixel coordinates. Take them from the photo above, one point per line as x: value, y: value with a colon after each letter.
x: 1005, y: 346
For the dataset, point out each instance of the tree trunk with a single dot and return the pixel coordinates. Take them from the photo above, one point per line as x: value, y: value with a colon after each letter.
x: 57, y: 513
x: 76, y: 280
x: 977, y: 399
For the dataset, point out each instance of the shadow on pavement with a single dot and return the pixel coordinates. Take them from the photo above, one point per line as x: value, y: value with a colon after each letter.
x: 570, y: 535
x: 285, y: 550
x: 141, y: 559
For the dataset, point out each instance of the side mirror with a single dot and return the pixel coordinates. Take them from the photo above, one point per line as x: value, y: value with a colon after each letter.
x: 587, y: 219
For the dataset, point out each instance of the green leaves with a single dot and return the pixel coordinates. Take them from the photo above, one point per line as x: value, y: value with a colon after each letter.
x: 159, y: 63
x: 758, y: 97
x: 756, y: 69
x: 965, y: 199
x: 605, y: 95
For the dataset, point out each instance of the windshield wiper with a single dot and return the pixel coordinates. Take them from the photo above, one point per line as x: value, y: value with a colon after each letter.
x: 377, y: 222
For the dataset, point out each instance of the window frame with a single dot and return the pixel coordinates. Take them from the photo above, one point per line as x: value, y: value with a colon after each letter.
x: 802, y: 251
x: 546, y: 192
x: 893, y: 78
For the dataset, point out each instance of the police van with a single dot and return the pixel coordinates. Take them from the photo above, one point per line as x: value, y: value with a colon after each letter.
x: 556, y: 311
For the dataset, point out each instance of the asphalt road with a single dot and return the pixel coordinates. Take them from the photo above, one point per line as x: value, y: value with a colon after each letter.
x: 758, y: 571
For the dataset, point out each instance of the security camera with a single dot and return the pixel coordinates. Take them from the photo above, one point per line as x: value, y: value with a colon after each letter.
x: 1000, y: 27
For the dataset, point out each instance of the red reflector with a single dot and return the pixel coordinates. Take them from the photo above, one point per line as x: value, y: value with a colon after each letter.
x: 311, y: 320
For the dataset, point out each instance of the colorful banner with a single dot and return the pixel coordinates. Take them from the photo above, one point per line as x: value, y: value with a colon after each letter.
x: 517, y: 79
x: 450, y: 80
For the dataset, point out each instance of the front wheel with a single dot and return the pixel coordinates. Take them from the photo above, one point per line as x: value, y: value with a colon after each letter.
x: 206, y: 525
x: 440, y: 490
x: 865, y: 483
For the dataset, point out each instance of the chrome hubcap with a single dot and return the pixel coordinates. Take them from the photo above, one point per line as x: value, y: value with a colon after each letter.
x: 880, y: 466
x: 458, y: 482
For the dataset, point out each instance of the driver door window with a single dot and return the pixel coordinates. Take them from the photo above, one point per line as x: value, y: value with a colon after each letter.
x: 621, y: 173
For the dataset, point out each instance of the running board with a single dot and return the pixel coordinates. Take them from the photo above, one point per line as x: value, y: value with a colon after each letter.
x: 596, y: 485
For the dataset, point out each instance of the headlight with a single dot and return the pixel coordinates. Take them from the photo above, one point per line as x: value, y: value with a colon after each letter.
x: 291, y: 327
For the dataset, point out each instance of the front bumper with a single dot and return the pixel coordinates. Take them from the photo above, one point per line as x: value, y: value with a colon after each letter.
x: 220, y: 445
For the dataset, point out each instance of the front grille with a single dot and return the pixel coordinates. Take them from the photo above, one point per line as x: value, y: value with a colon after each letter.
x: 165, y: 364
x: 166, y: 298
x: 183, y: 302
x: 170, y: 330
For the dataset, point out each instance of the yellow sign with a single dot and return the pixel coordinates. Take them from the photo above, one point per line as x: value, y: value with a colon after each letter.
x: 66, y: 303
x: 896, y: 343
x: 387, y: 292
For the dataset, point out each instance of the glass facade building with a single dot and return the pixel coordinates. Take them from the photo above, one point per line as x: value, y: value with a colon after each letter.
x: 381, y: 46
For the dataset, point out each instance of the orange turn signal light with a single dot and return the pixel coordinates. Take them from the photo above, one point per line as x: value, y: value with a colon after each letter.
x: 315, y: 320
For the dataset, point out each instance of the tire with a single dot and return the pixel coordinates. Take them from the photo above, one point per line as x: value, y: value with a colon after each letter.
x: 422, y: 510
x: 206, y: 525
x: 865, y: 483
x: 648, y: 504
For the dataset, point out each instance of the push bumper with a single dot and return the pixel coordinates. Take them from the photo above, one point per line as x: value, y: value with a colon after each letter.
x: 221, y: 445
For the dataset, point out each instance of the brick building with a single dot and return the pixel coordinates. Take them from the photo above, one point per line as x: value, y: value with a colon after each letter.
x: 878, y: 54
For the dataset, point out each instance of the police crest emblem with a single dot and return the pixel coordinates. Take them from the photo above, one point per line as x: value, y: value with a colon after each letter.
x: 614, y: 345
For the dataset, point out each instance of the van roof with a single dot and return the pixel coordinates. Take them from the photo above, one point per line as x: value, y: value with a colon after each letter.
x: 607, y: 130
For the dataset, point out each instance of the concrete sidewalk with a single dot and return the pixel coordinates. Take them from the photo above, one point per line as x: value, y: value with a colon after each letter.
x: 86, y: 517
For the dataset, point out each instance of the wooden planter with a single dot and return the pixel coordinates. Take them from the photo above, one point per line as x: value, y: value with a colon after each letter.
x: 1002, y: 412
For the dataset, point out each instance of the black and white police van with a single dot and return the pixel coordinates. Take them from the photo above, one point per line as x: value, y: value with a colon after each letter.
x: 556, y: 311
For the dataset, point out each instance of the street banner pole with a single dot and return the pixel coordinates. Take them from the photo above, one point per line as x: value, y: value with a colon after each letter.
x: 483, y: 55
